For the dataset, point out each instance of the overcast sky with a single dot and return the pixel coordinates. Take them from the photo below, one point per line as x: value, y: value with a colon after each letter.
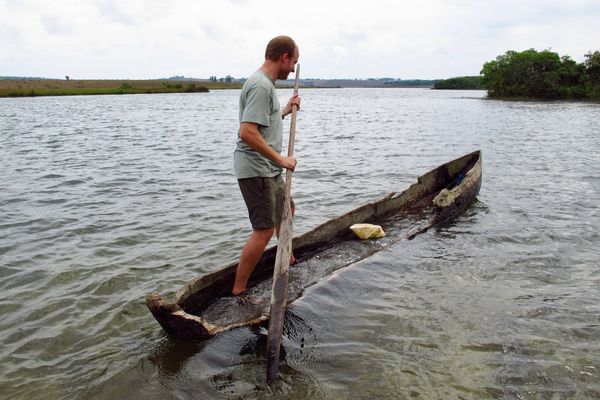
x: 424, y: 39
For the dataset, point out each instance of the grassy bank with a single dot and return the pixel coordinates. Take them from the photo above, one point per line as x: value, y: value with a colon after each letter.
x: 47, y: 87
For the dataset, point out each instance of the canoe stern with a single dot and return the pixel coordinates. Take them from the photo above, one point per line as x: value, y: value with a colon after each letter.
x: 176, y: 322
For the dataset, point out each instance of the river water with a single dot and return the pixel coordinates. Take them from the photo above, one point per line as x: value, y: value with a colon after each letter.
x: 104, y: 199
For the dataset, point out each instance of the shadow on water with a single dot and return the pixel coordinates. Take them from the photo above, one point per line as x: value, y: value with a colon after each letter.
x: 232, y: 363
x: 172, y: 355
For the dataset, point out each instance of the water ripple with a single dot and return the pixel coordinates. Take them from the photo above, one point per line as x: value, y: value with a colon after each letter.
x: 106, y: 198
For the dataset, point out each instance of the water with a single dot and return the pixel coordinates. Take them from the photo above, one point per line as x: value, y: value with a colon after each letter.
x: 106, y: 198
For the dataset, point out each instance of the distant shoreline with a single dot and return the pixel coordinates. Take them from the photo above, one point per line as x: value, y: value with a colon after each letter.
x: 33, y: 87
x: 72, y: 87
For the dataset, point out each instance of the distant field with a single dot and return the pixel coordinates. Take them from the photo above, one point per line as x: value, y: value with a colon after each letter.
x: 21, y: 88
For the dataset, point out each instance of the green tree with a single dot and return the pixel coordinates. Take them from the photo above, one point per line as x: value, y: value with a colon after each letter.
x: 591, y: 75
x: 459, y: 82
x: 592, y: 65
x: 542, y: 75
x: 570, y: 74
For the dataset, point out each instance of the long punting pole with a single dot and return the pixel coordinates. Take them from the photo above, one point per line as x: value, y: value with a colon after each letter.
x: 282, y: 263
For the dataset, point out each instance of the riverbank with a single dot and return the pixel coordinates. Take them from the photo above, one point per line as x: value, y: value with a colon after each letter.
x: 460, y: 83
x: 49, y: 87
x: 32, y: 87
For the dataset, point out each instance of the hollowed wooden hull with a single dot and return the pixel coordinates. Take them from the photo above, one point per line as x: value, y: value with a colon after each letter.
x: 436, y: 197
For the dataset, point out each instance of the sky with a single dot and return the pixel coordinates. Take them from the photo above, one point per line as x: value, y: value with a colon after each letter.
x: 421, y: 39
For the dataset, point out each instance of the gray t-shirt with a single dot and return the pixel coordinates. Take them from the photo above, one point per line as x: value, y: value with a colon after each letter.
x: 259, y: 104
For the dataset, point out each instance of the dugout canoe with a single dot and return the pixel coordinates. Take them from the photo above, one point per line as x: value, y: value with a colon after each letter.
x: 203, y: 307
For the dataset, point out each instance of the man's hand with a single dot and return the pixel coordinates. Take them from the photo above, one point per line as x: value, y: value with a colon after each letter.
x: 250, y: 134
x: 288, y: 162
x: 294, y: 100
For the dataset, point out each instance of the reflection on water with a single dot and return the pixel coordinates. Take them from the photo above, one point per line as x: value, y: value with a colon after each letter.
x: 106, y: 198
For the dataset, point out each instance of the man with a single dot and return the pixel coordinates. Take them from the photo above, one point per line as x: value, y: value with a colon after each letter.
x: 257, y: 160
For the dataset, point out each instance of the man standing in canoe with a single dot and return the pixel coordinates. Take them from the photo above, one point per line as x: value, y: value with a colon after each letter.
x: 257, y: 160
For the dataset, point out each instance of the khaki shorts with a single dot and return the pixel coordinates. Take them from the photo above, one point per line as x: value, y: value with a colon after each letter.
x: 264, y: 199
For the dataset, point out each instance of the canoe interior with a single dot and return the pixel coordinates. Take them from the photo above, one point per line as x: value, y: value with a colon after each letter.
x: 401, y: 214
x: 316, y: 264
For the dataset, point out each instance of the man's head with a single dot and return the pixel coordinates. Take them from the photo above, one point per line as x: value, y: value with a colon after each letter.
x: 283, y: 51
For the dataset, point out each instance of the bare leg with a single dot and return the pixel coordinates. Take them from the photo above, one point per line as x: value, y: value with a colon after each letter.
x: 253, y: 250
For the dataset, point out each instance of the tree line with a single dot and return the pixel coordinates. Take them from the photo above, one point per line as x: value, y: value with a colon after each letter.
x: 460, y: 82
x: 542, y: 75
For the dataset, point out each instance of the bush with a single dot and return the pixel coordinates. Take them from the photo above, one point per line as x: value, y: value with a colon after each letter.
x: 192, y: 88
x: 461, y: 82
x: 542, y: 75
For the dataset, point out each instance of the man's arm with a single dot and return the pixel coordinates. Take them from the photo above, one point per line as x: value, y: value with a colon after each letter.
x: 250, y: 134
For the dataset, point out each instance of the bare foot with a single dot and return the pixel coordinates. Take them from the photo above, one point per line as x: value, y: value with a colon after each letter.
x: 250, y: 300
x: 244, y: 298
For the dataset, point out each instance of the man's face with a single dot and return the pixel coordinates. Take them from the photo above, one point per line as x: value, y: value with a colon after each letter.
x: 288, y: 64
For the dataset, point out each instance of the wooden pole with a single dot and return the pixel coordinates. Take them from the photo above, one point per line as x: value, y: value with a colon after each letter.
x: 282, y: 263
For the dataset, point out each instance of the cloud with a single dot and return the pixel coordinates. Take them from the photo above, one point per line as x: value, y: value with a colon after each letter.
x: 354, y: 36
x: 346, y: 39
x: 12, y: 41
x: 56, y: 26
x: 114, y: 12
x: 341, y: 53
